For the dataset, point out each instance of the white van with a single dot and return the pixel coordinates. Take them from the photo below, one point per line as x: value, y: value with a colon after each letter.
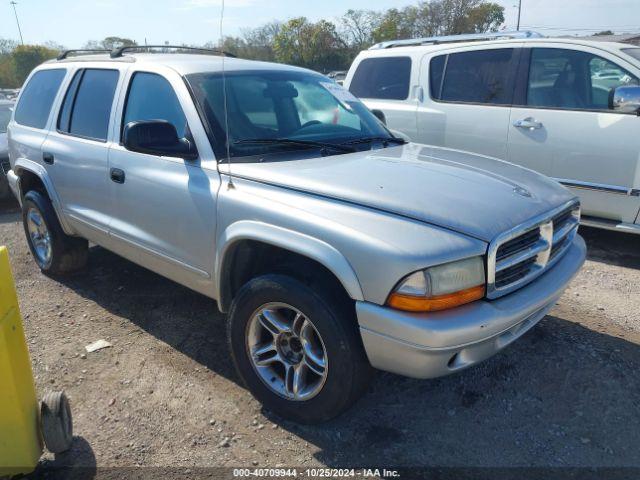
x: 567, y: 108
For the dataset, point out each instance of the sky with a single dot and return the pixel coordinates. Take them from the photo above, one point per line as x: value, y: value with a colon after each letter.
x: 73, y: 22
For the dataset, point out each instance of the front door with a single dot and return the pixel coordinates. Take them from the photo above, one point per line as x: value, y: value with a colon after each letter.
x: 165, y: 207
x: 565, y: 128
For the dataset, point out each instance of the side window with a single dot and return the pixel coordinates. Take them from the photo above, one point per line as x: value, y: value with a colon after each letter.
x: 436, y: 72
x: 385, y: 78
x: 571, y: 79
x: 87, y: 104
x: 480, y: 76
x: 151, y: 97
x: 37, y: 98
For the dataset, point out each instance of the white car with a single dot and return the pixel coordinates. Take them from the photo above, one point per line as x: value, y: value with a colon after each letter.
x: 567, y: 108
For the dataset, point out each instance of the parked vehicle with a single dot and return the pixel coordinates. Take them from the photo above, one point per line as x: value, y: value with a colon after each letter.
x: 566, y: 108
x: 6, y: 107
x: 333, y: 246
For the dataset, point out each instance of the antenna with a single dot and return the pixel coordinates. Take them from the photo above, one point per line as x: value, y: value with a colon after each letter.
x: 224, y: 96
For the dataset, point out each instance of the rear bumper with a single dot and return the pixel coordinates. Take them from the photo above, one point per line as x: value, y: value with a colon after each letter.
x: 14, y: 184
x: 434, y: 344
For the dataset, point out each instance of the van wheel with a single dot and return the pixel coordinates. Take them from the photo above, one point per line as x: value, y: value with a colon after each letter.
x: 297, y: 350
x: 54, y: 251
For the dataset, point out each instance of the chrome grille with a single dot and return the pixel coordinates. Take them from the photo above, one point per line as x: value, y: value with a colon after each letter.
x: 518, y: 256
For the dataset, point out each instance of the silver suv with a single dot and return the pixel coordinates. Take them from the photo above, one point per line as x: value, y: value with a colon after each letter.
x: 333, y: 246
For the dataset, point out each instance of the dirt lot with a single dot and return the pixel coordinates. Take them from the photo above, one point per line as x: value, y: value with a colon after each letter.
x: 166, y: 394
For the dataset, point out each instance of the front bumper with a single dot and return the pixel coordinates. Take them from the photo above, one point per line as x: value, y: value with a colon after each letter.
x: 428, y: 345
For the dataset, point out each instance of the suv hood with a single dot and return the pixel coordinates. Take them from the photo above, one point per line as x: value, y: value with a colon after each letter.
x: 472, y: 194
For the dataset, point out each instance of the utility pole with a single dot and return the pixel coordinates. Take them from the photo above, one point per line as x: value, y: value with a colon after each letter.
x: 519, y: 10
x: 13, y: 4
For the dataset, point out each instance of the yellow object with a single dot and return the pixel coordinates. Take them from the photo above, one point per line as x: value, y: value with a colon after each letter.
x: 20, y: 443
x: 411, y: 303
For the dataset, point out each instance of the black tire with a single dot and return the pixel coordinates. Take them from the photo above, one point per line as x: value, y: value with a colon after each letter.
x: 56, y: 422
x: 68, y: 254
x: 333, y: 319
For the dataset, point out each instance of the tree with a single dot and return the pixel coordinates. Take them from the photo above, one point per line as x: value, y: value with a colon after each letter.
x: 311, y: 45
x: 27, y: 57
x: 357, y: 26
x: 603, y: 33
x: 109, y: 43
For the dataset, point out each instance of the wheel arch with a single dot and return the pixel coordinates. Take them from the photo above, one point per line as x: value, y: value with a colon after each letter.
x: 251, y: 233
x: 33, y: 176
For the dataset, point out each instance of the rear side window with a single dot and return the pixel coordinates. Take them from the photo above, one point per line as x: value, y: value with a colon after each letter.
x: 151, y: 97
x: 87, y: 104
x: 38, y: 96
x: 482, y: 76
x: 385, y: 78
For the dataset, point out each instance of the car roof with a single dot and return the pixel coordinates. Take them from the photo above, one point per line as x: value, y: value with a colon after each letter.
x: 183, y: 63
x: 432, y: 47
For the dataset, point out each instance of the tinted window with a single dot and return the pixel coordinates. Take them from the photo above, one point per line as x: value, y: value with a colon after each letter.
x: 436, y: 71
x: 65, y: 111
x: 483, y: 76
x: 634, y: 52
x: 573, y: 79
x: 151, y: 97
x: 91, y: 107
x: 37, y: 98
x: 384, y: 78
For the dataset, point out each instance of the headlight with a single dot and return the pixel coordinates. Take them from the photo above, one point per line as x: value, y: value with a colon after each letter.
x: 440, y: 287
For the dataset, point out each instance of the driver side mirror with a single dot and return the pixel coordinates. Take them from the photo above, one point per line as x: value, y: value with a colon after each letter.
x: 625, y: 99
x: 157, y: 137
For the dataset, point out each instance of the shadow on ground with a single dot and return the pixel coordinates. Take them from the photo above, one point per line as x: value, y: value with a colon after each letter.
x: 563, y: 395
x: 614, y: 248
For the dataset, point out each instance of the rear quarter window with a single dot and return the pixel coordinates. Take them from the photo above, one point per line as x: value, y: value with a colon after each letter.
x: 385, y: 78
x: 37, y: 98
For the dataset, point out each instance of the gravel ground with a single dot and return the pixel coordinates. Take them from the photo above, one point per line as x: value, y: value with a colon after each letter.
x: 166, y: 393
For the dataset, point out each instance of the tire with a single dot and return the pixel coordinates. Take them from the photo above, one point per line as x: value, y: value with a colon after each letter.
x: 347, y: 371
x: 56, y: 422
x: 64, y: 254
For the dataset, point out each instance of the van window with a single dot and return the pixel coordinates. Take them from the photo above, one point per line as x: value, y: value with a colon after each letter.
x: 87, y: 105
x: 572, y: 79
x: 436, y: 72
x: 385, y: 78
x: 151, y: 97
x: 479, y: 76
x: 38, y: 96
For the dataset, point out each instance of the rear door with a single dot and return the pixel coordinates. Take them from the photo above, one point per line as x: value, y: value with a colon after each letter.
x: 469, y: 97
x: 563, y: 127
x: 76, y: 151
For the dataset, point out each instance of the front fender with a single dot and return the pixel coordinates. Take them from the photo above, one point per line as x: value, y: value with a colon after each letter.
x: 24, y: 164
x: 291, y: 240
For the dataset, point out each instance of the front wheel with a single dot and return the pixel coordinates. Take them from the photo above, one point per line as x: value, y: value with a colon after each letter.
x: 296, y: 349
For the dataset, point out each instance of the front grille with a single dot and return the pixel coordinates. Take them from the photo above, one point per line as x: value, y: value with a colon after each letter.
x: 520, y: 255
x: 518, y: 244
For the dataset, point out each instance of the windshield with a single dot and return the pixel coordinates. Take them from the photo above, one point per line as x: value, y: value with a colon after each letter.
x: 634, y: 52
x: 265, y: 107
x: 5, y: 116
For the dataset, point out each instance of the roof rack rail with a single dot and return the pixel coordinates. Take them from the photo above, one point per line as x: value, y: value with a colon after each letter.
x: 472, y: 37
x: 66, y: 53
x: 118, y: 52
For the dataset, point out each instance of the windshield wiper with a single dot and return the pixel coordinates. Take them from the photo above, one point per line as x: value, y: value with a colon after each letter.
x: 383, y: 140
x: 292, y: 141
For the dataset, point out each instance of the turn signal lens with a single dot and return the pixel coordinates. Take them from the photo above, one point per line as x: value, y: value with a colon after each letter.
x: 411, y: 303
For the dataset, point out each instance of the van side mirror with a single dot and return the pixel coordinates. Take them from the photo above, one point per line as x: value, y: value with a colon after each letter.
x: 379, y: 114
x: 625, y: 99
x: 157, y: 137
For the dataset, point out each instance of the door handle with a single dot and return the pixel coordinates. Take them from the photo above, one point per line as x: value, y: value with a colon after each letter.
x: 47, y: 158
x: 117, y: 175
x: 528, y: 123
